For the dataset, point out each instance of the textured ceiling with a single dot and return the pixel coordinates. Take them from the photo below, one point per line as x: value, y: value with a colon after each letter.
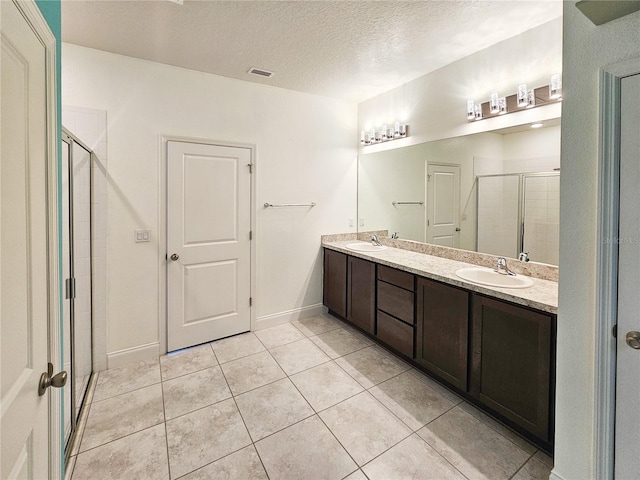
x: 351, y: 50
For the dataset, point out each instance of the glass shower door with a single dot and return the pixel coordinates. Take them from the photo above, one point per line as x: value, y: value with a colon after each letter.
x: 77, y: 308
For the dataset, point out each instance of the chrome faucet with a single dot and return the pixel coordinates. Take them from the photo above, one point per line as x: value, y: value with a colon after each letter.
x: 375, y: 241
x: 502, y: 268
x: 394, y: 235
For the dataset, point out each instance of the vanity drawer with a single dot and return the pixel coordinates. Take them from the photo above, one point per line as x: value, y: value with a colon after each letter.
x: 396, y: 301
x: 395, y: 334
x: 395, y: 277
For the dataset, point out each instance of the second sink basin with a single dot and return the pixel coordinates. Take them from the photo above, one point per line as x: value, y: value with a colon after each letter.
x: 486, y: 276
x: 365, y: 247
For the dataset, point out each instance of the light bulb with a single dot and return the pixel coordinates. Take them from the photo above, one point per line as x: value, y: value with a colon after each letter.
x: 470, y: 112
x: 494, y: 106
x: 555, y: 87
x: 531, y: 99
x: 502, y: 103
x: 478, y: 112
x: 522, y: 95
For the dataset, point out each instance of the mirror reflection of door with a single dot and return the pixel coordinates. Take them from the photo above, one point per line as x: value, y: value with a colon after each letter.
x: 443, y: 205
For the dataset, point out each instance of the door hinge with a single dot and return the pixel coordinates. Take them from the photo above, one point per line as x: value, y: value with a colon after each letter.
x: 428, y: 178
x: 250, y: 234
x: 250, y: 302
x: 250, y: 165
x: 428, y: 223
x: 70, y: 288
x: 614, y: 331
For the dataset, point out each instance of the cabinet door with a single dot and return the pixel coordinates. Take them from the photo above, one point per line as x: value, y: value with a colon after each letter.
x: 443, y: 331
x: 361, y: 293
x: 511, y: 364
x: 335, y: 282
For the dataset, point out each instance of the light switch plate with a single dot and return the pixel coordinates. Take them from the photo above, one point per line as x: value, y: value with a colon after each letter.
x: 142, y: 236
x: 352, y: 222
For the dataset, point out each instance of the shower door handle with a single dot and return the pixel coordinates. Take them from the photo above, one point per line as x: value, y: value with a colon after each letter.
x: 174, y: 257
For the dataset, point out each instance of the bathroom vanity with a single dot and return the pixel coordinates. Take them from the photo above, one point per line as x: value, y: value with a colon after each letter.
x: 494, y: 346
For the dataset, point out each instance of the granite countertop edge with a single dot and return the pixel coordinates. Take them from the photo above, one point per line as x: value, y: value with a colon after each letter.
x: 542, y: 295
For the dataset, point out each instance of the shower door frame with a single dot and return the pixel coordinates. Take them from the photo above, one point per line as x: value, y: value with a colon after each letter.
x: 69, y: 283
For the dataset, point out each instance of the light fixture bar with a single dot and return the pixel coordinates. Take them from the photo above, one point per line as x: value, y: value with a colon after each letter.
x: 384, y: 134
x: 522, y: 100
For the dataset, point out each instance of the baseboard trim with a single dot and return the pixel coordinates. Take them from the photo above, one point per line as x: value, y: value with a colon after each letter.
x: 555, y: 476
x: 133, y: 354
x: 288, y: 316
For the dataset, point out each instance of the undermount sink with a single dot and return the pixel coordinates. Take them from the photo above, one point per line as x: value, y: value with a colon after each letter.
x: 486, y: 276
x: 365, y: 247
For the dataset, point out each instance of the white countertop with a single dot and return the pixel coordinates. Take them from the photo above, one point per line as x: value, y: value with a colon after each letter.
x: 542, y: 295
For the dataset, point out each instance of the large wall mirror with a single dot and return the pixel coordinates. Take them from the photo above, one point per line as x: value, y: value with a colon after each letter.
x: 495, y: 192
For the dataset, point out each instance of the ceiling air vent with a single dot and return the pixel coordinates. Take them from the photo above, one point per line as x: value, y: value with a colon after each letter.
x: 260, y: 72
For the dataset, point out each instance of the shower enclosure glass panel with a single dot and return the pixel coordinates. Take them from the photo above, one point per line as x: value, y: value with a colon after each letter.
x: 76, y: 244
x: 498, y: 215
x: 542, y: 217
x: 519, y: 213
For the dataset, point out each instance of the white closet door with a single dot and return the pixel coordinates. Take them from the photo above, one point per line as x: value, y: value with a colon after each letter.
x: 208, y: 245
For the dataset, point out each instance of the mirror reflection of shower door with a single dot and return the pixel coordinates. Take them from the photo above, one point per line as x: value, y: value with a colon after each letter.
x: 499, y: 215
x: 77, y: 309
x: 541, y: 217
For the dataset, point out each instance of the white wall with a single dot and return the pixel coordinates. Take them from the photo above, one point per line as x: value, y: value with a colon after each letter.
x: 587, y: 49
x: 434, y: 105
x: 297, y: 161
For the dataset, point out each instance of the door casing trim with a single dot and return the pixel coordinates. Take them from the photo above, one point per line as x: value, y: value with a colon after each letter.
x: 607, y: 264
x: 162, y: 227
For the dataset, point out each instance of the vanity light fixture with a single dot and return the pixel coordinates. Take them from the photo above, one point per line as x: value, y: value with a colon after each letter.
x: 524, y: 98
x: 383, y: 134
x: 555, y: 87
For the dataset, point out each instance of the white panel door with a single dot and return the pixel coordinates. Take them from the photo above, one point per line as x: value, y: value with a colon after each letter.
x: 208, y: 245
x: 627, y: 436
x: 24, y: 313
x: 443, y: 204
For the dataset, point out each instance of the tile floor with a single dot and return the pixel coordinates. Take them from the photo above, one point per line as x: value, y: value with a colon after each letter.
x: 313, y: 399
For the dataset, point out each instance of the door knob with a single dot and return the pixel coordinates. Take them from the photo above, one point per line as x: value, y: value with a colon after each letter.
x: 58, y: 380
x: 174, y: 256
x: 633, y: 340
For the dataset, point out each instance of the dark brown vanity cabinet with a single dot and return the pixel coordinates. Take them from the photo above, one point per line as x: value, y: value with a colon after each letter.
x: 443, y: 331
x: 335, y: 282
x: 493, y: 351
x: 512, y: 363
x: 361, y: 293
x: 350, y: 289
x: 395, y: 309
